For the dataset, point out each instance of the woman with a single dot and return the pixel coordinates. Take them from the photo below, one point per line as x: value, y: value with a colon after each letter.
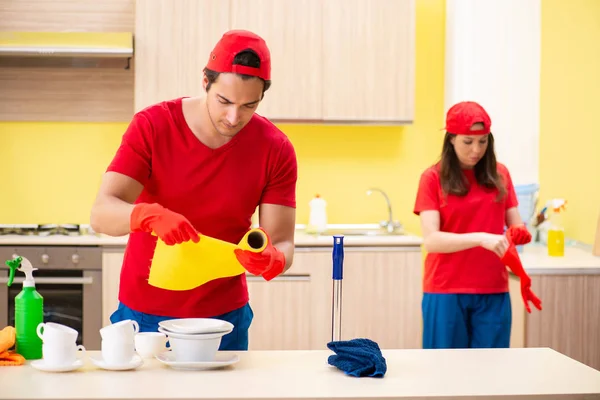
x: 464, y: 202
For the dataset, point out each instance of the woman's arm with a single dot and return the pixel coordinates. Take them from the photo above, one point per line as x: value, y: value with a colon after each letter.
x: 436, y: 241
x: 513, y: 217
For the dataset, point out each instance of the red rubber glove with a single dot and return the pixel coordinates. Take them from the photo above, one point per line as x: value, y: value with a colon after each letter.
x: 269, y: 263
x: 169, y: 226
x: 512, y: 260
x: 519, y: 234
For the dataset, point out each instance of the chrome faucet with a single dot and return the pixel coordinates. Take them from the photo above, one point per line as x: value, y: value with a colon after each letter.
x: 390, y: 224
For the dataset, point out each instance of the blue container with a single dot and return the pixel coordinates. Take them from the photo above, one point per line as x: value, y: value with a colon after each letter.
x: 526, y: 195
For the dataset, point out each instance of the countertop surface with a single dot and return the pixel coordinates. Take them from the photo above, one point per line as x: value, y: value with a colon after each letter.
x: 576, y: 261
x: 536, y: 261
x: 539, y: 373
x: 302, y: 239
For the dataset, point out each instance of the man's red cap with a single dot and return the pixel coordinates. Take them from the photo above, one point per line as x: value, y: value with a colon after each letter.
x: 461, y: 117
x: 232, y: 43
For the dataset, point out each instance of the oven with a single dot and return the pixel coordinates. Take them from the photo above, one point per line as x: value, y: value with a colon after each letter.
x: 69, y: 278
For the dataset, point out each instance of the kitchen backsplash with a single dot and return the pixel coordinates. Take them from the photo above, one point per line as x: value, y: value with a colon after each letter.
x: 52, y: 170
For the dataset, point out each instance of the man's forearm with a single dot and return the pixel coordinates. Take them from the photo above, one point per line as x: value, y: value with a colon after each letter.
x: 111, y: 216
x: 287, y: 248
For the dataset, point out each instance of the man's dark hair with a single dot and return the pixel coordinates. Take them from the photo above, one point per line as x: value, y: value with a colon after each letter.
x: 247, y: 58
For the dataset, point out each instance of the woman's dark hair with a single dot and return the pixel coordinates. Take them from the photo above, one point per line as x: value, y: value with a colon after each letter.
x: 247, y: 58
x: 452, y: 178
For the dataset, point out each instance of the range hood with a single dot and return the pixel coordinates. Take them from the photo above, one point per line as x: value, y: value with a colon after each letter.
x: 67, y: 44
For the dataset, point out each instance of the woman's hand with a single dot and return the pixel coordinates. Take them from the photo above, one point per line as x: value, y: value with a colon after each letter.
x: 497, y: 244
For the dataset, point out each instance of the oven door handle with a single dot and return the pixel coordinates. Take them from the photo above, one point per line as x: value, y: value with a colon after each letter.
x: 87, y: 280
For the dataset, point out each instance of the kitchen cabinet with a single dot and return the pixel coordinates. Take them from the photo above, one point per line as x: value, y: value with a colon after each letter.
x: 71, y: 89
x: 293, y: 32
x: 112, y: 260
x: 517, y: 331
x: 173, y: 41
x: 334, y: 61
x: 381, y: 298
x: 570, y: 318
x: 382, y: 292
x: 569, y: 288
x: 368, y: 60
x: 293, y: 311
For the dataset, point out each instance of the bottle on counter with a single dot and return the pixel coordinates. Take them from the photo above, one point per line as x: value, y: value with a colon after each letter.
x: 556, y: 230
x: 317, y: 220
x: 29, y: 311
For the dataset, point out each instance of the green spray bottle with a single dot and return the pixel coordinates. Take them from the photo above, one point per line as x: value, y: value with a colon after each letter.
x: 29, y: 311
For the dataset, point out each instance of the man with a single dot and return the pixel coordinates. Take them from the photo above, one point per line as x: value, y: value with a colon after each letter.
x: 201, y: 166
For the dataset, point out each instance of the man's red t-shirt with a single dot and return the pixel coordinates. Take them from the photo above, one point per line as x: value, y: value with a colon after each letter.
x: 476, y: 270
x: 217, y: 190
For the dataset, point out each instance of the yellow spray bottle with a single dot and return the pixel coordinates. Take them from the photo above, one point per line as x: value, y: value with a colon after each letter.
x: 556, y: 231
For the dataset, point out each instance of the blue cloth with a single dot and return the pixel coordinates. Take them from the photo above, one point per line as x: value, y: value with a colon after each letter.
x: 358, y: 357
x: 237, y: 339
x: 454, y: 321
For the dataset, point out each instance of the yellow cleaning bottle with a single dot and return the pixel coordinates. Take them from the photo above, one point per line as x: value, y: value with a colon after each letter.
x: 556, y: 231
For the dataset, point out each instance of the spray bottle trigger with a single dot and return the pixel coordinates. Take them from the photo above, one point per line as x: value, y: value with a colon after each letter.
x: 13, y: 264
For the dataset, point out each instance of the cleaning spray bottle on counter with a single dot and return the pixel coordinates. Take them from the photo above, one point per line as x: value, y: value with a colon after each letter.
x: 317, y: 220
x: 556, y: 230
x: 29, y: 311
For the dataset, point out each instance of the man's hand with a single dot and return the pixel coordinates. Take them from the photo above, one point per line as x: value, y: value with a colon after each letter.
x: 519, y: 234
x: 169, y: 226
x: 269, y: 263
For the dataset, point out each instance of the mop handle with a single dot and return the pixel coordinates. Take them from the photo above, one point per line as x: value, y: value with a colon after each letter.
x: 338, y: 275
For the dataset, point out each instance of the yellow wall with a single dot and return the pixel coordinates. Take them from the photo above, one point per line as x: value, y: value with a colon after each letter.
x: 339, y: 162
x: 569, y: 106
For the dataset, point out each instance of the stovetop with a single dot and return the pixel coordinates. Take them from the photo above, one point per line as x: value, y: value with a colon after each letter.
x: 40, y: 230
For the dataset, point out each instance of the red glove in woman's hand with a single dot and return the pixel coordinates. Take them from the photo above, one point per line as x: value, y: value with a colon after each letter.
x: 529, y: 296
x: 511, y: 260
x: 518, y: 234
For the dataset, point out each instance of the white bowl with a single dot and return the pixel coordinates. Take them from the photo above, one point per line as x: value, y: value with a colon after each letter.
x: 196, y: 325
x: 195, y: 349
x: 201, y: 347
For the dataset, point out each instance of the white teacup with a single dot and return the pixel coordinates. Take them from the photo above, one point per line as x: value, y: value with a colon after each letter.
x: 53, y: 333
x: 59, y: 354
x: 150, y: 344
x: 122, y: 330
x: 117, y: 352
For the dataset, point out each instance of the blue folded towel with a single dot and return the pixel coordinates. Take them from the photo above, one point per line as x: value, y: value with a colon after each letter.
x: 358, y: 357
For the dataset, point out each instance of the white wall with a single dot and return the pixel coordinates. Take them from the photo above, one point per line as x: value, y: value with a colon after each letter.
x: 493, y: 57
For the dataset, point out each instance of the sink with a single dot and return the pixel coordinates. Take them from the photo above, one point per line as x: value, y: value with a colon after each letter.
x: 355, y: 230
x: 361, y: 232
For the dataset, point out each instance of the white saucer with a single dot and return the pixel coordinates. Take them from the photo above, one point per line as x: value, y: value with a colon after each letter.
x: 43, y: 366
x: 135, y: 362
x: 196, y: 325
x: 222, y: 359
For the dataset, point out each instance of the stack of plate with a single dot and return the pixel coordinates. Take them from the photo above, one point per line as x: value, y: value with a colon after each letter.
x: 195, y: 339
x: 194, y: 326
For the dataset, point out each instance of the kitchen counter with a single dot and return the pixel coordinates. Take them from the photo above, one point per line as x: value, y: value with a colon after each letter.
x: 576, y: 261
x: 431, y: 374
x: 301, y: 240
